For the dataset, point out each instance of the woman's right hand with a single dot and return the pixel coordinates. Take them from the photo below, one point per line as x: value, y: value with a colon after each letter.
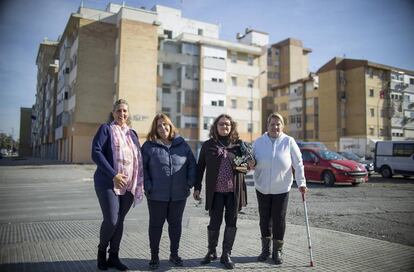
x: 119, y: 180
x: 196, y: 195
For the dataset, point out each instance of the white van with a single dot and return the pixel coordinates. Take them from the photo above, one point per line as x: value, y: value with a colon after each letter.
x: 394, y: 157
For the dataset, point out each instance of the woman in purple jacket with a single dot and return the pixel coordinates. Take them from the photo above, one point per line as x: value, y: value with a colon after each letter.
x: 118, y: 180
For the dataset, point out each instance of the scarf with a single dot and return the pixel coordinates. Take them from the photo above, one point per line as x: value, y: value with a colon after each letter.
x: 128, y: 161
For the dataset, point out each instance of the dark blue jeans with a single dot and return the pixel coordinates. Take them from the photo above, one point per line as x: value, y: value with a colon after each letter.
x: 159, y: 211
x: 114, y: 209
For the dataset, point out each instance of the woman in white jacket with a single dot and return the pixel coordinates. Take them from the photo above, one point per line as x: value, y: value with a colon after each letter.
x: 275, y: 154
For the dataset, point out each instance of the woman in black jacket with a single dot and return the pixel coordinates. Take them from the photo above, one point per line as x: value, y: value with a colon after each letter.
x: 225, y: 187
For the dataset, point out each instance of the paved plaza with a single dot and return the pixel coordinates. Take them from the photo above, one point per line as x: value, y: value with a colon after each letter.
x: 50, y: 218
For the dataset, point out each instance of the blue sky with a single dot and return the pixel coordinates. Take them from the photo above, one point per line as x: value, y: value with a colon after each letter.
x: 381, y: 31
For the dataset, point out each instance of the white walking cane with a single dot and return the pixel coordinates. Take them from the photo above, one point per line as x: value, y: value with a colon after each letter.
x: 307, y: 229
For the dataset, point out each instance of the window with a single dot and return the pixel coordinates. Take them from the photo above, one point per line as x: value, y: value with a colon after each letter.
x: 370, y: 72
x: 249, y: 127
x: 166, y: 90
x: 179, y: 102
x: 250, y: 60
x: 402, y: 150
x: 250, y: 83
x: 381, y: 132
x: 308, y: 156
x: 166, y: 66
x: 221, y: 103
x: 371, y: 112
x: 234, y: 81
x: 200, y: 32
x: 412, y: 81
x: 234, y: 57
x: 166, y: 110
x: 371, y: 92
x: 214, y: 103
x: 168, y: 33
x: 250, y: 105
x: 371, y: 131
x: 233, y: 103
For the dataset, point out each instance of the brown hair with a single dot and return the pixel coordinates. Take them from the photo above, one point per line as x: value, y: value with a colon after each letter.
x: 234, y: 135
x: 114, y: 108
x: 275, y: 115
x: 153, y: 134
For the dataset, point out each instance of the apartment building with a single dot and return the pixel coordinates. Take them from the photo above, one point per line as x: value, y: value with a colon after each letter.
x: 158, y: 61
x: 366, y: 101
x: 290, y: 87
x: 43, y: 113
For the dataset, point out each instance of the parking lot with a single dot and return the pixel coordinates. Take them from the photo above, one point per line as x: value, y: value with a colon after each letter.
x: 381, y: 208
x: 49, y: 220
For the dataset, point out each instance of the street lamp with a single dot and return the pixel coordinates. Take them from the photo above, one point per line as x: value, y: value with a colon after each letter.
x: 251, y: 107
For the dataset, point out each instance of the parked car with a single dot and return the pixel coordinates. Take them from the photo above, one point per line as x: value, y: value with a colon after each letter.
x: 369, y: 165
x: 394, y: 157
x: 317, y: 145
x: 329, y: 167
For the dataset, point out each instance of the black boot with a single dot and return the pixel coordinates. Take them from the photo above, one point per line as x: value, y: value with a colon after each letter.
x: 228, y: 241
x: 113, y: 261
x: 277, y: 251
x: 265, y: 249
x: 102, y: 260
x: 155, y: 261
x: 176, y: 260
x: 211, y: 255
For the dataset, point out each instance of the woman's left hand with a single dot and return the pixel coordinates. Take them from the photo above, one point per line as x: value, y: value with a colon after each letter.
x: 303, y: 189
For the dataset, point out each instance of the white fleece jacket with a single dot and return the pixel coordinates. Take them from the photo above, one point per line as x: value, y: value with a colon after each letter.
x: 273, y: 171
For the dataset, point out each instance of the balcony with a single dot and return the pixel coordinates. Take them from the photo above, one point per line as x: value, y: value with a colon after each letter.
x: 60, y: 132
x: 214, y: 87
x: 61, y: 107
x: 189, y: 84
x: 215, y: 63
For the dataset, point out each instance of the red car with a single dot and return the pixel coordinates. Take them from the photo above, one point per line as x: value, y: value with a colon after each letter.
x: 329, y: 167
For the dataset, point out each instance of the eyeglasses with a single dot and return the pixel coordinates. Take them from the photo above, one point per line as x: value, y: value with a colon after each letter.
x: 224, y: 124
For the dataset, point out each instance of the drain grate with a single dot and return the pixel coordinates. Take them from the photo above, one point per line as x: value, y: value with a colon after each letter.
x: 47, y: 231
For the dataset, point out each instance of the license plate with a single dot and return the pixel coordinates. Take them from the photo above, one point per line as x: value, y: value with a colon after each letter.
x: 359, y: 180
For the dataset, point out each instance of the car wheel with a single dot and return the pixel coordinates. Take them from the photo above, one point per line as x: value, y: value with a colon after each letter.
x: 355, y: 184
x: 328, y: 179
x: 386, y: 172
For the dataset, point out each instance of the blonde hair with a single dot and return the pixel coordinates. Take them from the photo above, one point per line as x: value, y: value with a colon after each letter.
x: 153, y: 134
x: 277, y: 116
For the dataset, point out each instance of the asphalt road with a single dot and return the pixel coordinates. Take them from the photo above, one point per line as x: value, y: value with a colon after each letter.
x: 381, y: 208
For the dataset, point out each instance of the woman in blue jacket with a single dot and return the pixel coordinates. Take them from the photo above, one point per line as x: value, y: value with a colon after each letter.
x: 169, y: 174
x: 118, y: 180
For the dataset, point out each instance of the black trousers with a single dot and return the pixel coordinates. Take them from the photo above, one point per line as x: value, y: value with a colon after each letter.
x: 114, y: 209
x: 223, y: 201
x: 159, y: 211
x: 272, y: 211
